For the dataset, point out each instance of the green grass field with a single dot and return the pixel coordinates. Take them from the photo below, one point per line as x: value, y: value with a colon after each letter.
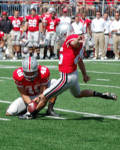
x: 78, y: 128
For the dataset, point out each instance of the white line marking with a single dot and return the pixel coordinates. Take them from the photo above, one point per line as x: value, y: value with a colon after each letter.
x: 82, y: 113
x: 98, y: 85
x: 61, y: 118
x: 102, y: 79
x: 56, y: 60
x: 7, y: 102
x: 89, y: 114
x: 8, y: 67
x: 8, y: 78
x: 4, y: 119
x: 98, y: 72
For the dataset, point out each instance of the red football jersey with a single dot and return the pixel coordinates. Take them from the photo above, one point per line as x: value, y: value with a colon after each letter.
x: 51, y: 24
x: 33, y: 23
x: 16, y: 22
x: 1, y: 35
x: 44, y: 16
x: 69, y: 57
x: 86, y: 23
x: 32, y: 88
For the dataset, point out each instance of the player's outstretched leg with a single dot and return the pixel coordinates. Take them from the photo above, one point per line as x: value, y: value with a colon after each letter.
x: 90, y: 93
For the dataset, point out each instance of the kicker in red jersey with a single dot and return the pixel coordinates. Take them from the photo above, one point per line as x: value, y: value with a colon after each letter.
x: 31, y: 88
x: 69, y: 57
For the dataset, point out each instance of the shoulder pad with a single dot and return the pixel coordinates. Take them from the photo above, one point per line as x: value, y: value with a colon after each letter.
x: 44, y: 73
x: 18, y: 75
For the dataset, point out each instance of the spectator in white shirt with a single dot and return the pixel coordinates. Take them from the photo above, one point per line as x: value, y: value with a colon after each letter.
x: 65, y: 18
x: 78, y: 26
x: 97, y: 27
x: 115, y: 30
x: 106, y: 30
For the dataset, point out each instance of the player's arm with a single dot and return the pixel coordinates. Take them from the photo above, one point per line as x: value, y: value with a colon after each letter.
x: 24, y: 96
x: 81, y: 65
x: 77, y: 42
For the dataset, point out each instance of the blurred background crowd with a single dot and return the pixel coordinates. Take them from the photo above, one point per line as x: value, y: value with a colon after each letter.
x: 29, y: 27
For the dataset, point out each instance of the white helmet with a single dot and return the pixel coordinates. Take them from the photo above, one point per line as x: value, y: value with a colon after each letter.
x: 63, y: 30
x: 51, y: 9
x: 30, y: 68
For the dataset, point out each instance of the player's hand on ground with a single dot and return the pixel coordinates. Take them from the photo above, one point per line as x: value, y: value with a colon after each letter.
x: 86, y: 78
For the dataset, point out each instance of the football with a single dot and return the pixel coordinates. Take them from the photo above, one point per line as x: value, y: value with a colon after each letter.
x: 32, y: 106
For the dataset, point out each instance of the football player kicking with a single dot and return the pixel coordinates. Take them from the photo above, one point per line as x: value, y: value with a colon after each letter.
x: 31, y: 80
x: 70, y: 56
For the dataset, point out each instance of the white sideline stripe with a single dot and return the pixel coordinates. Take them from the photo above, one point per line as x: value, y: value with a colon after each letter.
x: 56, y: 60
x: 98, y: 72
x: 4, y: 119
x: 102, y: 79
x: 7, y: 102
x: 78, y: 112
x: 8, y: 78
x: 98, y: 85
x: 7, y: 67
x: 108, y: 86
x: 61, y: 118
x: 56, y: 67
x: 89, y: 114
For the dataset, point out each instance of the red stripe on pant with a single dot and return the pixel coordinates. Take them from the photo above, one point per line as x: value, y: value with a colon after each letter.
x: 59, y: 86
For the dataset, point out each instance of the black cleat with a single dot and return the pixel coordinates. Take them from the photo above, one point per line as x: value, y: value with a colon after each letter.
x: 26, y: 116
x: 52, y: 113
x: 109, y: 96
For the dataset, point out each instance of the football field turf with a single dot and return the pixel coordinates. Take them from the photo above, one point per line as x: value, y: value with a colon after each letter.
x: 84, y: 124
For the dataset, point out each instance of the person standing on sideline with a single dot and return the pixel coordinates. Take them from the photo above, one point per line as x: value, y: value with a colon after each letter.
x: 97, y: 28
x: 6, y: 27
x: 115, y: 30
x: 106, y: 31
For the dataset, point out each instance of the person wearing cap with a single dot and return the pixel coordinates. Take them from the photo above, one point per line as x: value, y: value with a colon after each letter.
x: 64, y: 18
x: 6, y: 27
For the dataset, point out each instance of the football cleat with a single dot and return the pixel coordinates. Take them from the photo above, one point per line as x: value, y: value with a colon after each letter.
x: 52, y: 113
x: 26, y: 116
x: 109, y: 96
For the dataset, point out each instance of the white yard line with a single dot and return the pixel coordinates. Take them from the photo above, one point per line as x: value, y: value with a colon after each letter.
x: 90, y: 114
x: 86, y: 114
x: 103, y: 80
x: 4, y: 119
x: 100, y: 72
x: 56, y: 60
x: 95, y: 85
x: 99, y: 85
x: 7, y: 102
x: 59, y: 118
x: 8, y: 78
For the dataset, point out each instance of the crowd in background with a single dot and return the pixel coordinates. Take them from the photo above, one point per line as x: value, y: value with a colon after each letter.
x: 29, y: 27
